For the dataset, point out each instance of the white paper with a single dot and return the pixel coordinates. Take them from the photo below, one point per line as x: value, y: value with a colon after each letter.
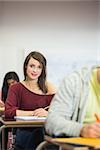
x: 29, y: 118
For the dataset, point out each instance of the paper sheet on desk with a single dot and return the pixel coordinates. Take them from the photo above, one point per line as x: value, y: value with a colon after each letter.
x: 29, y: 118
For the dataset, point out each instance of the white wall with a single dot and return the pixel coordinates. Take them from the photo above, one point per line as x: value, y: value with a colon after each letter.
x: 70, y: 27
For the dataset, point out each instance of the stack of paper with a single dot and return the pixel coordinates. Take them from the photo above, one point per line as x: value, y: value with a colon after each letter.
x: 29, y: 118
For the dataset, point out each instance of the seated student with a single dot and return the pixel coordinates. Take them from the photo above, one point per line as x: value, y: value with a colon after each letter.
x: 28, y: 98
x: 10, y: 78
x: 72, y: 110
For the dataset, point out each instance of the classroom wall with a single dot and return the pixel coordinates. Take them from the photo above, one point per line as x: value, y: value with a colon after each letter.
x: 70, y: 27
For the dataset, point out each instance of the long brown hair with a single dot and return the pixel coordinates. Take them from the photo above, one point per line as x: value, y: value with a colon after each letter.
x: 42, y: 60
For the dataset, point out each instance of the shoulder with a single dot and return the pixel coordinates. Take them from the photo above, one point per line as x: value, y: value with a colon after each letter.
x: 51, y: 87
x: 16, y: 86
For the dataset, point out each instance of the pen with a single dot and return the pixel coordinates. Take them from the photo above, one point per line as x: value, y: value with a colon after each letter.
x: 97, y: 117
x: 45, y: 108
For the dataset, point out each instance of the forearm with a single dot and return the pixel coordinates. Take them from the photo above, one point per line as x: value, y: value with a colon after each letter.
x: 2, y: 103
x: 24, y: 113
x: 62, y: 126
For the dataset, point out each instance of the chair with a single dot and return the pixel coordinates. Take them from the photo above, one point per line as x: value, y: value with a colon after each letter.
x: 42, y: 145
x: 45, y: 145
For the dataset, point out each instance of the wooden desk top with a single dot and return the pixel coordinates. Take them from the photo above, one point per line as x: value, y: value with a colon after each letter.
x: 16, y: 123
x: 5, y: 123
x: 77, y: 141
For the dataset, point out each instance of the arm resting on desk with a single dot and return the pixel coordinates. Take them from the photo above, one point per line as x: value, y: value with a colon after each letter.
x: 24, y: 113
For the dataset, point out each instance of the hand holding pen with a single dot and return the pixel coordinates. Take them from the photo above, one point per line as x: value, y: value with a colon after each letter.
x: 46, y: 108
x: 41, y: 112
x: 97, y: 117
x: 91, y: 130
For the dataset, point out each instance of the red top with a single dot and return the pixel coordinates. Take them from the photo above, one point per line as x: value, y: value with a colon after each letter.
x: 19, y: 97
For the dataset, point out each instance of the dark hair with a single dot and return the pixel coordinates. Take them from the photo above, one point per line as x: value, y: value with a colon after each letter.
x: 9, y: 75
x: 42, y: 60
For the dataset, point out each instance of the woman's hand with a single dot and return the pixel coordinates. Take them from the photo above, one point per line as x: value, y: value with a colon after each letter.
x: 91, y: 130
x: 2, y: 103
x: 40, y: 112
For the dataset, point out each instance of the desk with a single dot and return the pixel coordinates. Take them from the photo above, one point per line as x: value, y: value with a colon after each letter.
x: 77, y: 143
x: 18, y: 123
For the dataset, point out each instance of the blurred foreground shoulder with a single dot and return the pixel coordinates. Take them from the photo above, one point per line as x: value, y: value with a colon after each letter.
x: 51, y: 88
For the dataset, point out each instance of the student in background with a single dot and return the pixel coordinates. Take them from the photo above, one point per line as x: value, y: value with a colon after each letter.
x: 73, y: 109
x: 9, y: 79
x: 29, y: 98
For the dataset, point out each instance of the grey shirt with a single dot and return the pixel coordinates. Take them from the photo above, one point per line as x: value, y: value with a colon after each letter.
x: 68, y: 107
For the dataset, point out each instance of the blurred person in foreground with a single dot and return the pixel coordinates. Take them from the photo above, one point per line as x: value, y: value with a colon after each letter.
x: 73, y: 110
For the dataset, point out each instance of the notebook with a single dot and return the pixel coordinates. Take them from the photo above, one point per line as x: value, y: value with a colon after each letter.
x: 29, y: 118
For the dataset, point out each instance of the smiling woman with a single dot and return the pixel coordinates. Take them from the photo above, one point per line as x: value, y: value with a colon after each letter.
x: 29, y: 98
